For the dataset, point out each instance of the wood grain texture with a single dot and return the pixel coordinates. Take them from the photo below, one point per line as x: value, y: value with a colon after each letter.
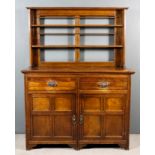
x: 41, y: 104
x: 94, y: 83
x: 42, y: 84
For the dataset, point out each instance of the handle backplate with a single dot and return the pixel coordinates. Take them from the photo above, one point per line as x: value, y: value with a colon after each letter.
x: 74, y: 119
x: 52, y: 83
x: 81, y: 119
x: 103, y: 84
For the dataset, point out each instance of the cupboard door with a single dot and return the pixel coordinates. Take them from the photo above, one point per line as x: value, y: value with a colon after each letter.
x: 102, y: 116
x: 90, y: 119
x: 53, y: 116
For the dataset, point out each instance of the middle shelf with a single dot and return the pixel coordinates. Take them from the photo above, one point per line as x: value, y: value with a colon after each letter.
x: 80, y: 46
x: 71, y: 25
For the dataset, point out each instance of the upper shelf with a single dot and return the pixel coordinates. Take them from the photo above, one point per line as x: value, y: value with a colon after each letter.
x: 100, y: 34
x: 81, y: 25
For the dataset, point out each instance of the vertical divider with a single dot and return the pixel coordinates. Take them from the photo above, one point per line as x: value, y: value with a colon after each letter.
x: 38, y: 38
x: 33, y: 38
x: 115, y: 31
x: 77, y: 39
x: 120, y: 53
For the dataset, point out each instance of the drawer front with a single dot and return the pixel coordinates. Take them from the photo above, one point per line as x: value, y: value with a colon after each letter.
x: 109, y: 83
x: 51, y: 83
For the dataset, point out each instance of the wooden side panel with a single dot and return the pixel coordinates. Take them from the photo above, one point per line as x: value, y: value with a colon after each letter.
x: 120, y: 39
x: 34, y: 54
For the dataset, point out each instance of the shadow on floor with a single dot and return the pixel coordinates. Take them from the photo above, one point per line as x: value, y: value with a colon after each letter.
x: 89, y: 146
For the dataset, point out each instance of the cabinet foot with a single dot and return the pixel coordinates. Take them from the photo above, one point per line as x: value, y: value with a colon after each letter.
x: 124, y: 146
x: 30, y: 146
x: 74, y: 146
x: 81, y: 146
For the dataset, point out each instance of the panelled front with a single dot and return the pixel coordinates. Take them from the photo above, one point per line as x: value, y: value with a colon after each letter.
x: 82, y: 113
x: 51, y: 116
x: 103, y: 116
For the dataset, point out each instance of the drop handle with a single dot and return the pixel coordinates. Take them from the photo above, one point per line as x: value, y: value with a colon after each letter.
x: 103, y: 84
x: 74, y: 119
x: 81, y: 119
x: 52, y: 83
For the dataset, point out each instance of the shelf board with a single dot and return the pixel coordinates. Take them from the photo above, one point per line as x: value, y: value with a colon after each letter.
x: 53, y: 46
x: 93, y: 34
x: 100, y: 46
x: 81, y: 17
x: 82, y: 25
x: 80, y: 46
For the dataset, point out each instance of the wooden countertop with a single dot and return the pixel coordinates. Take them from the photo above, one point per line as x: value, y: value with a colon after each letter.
x: 77, y: 70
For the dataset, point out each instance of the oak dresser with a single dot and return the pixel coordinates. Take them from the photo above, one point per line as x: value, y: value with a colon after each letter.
x: 77, y: 89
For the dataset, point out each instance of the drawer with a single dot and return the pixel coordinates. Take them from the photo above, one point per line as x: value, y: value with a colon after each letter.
x: 109, y: 83
x: 51, y: 83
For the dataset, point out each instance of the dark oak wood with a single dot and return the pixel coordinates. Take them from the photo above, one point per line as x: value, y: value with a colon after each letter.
x: 77, y: 103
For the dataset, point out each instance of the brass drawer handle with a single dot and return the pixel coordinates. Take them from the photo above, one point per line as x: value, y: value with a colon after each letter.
x: 74, y: 119
x: 81, y: 119
x: 52, y: 83
x: 103, y: 84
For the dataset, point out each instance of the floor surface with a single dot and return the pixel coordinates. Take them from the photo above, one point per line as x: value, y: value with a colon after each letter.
x: 95, y: 150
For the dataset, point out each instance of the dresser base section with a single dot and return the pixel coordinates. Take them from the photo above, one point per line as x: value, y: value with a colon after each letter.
x: 121, y: 143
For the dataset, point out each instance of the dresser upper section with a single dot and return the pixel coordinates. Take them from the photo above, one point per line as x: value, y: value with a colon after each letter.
x: 82, y: 37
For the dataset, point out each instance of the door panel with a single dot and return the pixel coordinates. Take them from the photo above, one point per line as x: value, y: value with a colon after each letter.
x: 64, y: 109
x: 40, y: 104
x: 52, y: 116
x: 63, y: 104
x: 41, y: 126
x: 114, y: 103
x: 114, y: 126
x: 63, y: 126
x: 91, y: 104
x: 92, y: 126
x: 90, y: 111
x: 114, y: 118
